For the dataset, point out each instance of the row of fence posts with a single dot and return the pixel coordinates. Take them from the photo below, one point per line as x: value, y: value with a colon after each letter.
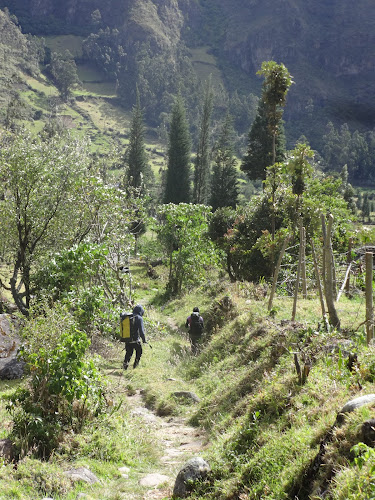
x: 328, y: 289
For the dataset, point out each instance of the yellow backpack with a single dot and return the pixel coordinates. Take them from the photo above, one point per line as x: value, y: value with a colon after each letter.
x: 126, y: 321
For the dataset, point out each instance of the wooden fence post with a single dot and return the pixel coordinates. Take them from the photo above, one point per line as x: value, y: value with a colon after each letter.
x: 303, y: 262
x: 276, y: 273
x: 319, y: 285
x: 369, y: 300
x: 328, y: 282
x: 297, y: 280
x: 324, y: 232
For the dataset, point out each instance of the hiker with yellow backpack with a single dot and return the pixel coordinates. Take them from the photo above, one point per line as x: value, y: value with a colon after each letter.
x: 132, y: 332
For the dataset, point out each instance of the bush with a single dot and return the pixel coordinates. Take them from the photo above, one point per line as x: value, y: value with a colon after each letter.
x: 64, y: 392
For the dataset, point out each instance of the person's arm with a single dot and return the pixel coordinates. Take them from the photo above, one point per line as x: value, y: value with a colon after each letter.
x: 187, y: 324
x: 141, y: 330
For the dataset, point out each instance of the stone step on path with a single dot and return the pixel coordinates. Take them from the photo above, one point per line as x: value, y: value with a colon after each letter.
x: 178, y: 443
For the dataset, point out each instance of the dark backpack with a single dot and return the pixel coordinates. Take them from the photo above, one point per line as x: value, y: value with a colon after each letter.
x: 196, y: 326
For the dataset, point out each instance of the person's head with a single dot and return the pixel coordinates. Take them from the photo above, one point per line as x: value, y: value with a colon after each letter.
x: 138, y: 309
x: 196, y: 310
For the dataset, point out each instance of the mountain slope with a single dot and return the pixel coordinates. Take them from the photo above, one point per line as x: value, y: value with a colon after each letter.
x: 329, y: 47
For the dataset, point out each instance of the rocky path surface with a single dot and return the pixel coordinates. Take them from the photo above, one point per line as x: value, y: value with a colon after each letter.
x: 177, y: 443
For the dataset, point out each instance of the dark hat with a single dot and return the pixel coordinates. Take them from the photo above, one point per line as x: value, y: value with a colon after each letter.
x: 196, y: 309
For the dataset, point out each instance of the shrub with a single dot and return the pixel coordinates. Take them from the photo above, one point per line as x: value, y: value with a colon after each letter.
x: 64, y: 392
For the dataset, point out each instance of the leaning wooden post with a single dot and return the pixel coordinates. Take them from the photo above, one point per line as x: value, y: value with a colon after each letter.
x: 349, y: 261
x: 328, y: 289
x: 319, y: 285
x: 369, y: 301
x: 303, y: 262
x: 276, y: 273
x: 347, y: 274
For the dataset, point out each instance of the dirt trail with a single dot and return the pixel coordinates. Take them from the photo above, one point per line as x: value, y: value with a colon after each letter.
x: 177, y: 441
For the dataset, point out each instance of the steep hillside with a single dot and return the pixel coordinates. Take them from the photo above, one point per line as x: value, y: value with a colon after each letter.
x: 16, y: 54
x: 327, y: 46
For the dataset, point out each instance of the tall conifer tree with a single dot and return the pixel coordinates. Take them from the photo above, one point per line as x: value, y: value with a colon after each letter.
x: 136, y: 156
x: 177, y: 189
x: 202, y: 161
x: 259, y: 149
x: 224, y: 187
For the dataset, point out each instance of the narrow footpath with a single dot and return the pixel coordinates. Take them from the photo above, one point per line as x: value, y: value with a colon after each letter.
x: 178, y: 443
x: 175, y: 441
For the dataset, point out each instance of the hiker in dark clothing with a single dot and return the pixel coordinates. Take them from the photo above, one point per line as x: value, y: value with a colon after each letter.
x: 195, y: 325
x: 137, y: 333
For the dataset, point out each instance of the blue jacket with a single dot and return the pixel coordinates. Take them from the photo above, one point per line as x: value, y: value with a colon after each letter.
x: 139, y: 329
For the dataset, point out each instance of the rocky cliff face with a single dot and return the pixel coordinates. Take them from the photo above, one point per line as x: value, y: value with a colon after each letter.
x: 158, y: 21
x: 329, y: 48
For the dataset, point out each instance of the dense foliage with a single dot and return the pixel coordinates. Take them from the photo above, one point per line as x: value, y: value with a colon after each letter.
x: 64, y: 390
x: 182, y: 231
x: 354, y: 149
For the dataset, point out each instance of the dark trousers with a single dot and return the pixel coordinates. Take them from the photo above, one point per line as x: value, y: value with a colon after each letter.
x: 194, y: 342
x: 130, y: 347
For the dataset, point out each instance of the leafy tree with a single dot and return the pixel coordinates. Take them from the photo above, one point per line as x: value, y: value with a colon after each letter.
x: 277, y: 81
x: 347, y: 189
x: 96, y: 17
x: 48, y: 202
x: 16, y: 110
x: 177, y: 188
x: 247, y: 240
x: 71, y: 267
x: 202, y: 161
x: 224, y: 188
x: 182, y: 232
x: 259, y: 149
x: 64, y: 72
x: 136, y: 155
x: 335, y: 150
x: 300, y: 170
x: 360, y: 161
x: 366, y: 207
x: 106, y: 49
x: 159, y: 76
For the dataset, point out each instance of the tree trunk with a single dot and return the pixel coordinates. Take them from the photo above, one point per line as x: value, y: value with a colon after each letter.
x: 276, y: 274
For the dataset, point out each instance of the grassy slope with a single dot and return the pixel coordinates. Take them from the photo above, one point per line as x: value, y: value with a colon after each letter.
x: 265, y: 428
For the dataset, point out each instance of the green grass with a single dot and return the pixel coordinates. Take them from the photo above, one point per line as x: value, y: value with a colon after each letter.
x: 205, y: 65
x: 265, y: 428
x: 61, y: 43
